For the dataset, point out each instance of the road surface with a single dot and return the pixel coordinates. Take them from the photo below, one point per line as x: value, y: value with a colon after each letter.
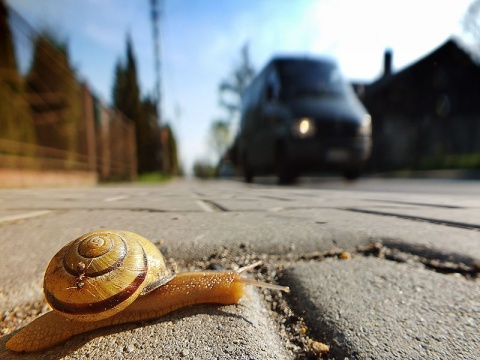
x: 377, y: 269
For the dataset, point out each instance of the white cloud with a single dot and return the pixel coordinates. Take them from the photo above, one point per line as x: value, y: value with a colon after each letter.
x: 359, y: 31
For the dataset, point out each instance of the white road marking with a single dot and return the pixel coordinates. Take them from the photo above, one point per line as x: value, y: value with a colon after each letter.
x: 116, y: 198
x: 23, y: 216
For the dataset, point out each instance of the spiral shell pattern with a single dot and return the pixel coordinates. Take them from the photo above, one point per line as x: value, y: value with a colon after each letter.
x: 101, y: 273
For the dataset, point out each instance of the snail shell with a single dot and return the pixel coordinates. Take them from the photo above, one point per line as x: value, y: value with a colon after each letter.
x: 101, y: 273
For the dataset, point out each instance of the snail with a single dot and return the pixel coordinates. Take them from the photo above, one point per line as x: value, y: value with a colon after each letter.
x: 109, y: 277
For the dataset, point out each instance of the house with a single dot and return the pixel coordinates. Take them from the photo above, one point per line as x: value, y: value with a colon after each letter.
x: 428, y: 114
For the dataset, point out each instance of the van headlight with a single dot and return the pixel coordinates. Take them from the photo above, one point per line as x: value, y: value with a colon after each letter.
x: 366, y: 126
x: 304, y: 127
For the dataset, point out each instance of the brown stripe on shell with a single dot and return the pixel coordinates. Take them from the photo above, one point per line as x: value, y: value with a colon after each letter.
x: 99, y: 306
x: 115, y: 265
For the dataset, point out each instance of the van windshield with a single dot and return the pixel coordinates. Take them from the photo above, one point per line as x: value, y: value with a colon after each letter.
x: 304, y: 78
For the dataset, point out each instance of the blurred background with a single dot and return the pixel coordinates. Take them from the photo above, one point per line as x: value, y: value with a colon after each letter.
x: 117, y: 90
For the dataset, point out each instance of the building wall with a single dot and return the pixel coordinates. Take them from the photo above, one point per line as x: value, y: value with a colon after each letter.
x: 427, y: 113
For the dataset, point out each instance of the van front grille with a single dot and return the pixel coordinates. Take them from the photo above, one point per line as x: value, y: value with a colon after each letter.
x: 335, y: 128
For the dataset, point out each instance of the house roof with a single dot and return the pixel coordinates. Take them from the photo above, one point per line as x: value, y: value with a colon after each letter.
x: 452, y: 48
x: 450, y: 73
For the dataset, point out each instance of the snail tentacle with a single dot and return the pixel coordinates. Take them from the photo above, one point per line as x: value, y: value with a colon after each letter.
x: 260, y: 283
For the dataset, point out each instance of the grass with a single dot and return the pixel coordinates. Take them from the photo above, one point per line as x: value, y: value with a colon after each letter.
x: 464, y: 161
x: 153, y: 177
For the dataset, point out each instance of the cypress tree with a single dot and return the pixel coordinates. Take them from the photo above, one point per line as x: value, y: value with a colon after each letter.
x: 126, y: 98
x: 16, y: 123
x: 171, y: 152
x: 153, y: 161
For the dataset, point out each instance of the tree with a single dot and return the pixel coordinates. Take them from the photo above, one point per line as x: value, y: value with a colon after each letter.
x: 16, y: 122
x: 169, y: 147
x: 153, y: 161
x: 126, y: 92
x: 220, y: 137
x: 471, y: 21
x: 54, y: 95
x: 8, y: 60
x: 119, y: 85
x: 126, y: 98
x: 230, y: 94
x: 202, y: 169
x: 232, y: 88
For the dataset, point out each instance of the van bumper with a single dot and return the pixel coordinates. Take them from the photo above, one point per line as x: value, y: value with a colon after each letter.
x: 340, y: 153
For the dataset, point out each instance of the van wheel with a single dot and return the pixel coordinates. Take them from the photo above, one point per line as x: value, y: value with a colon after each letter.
x: 285, y: 173
x: 247, y: 170
x: 248, y: 174
x: 352, y: 173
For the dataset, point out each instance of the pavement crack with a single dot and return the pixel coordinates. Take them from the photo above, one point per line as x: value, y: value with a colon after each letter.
x: 442, y: 266
x: 455, y: 224
x: 302, y: 342
x: 150, y: 210
x: 210, y: 206
x: 416, y: 203
x: 274, y: 197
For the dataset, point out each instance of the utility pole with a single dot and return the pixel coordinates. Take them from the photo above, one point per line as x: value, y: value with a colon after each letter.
x: 156, y: 7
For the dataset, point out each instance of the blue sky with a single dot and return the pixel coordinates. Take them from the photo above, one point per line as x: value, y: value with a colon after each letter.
x: 201, y: 42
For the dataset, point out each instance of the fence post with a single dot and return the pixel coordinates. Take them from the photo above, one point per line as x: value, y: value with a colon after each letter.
x: 89, y: 126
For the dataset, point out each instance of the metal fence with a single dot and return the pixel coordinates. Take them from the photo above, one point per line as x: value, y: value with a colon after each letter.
x: 49, y: 121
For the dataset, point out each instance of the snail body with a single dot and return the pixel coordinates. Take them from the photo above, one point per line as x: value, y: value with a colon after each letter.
x: 81, y: 301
